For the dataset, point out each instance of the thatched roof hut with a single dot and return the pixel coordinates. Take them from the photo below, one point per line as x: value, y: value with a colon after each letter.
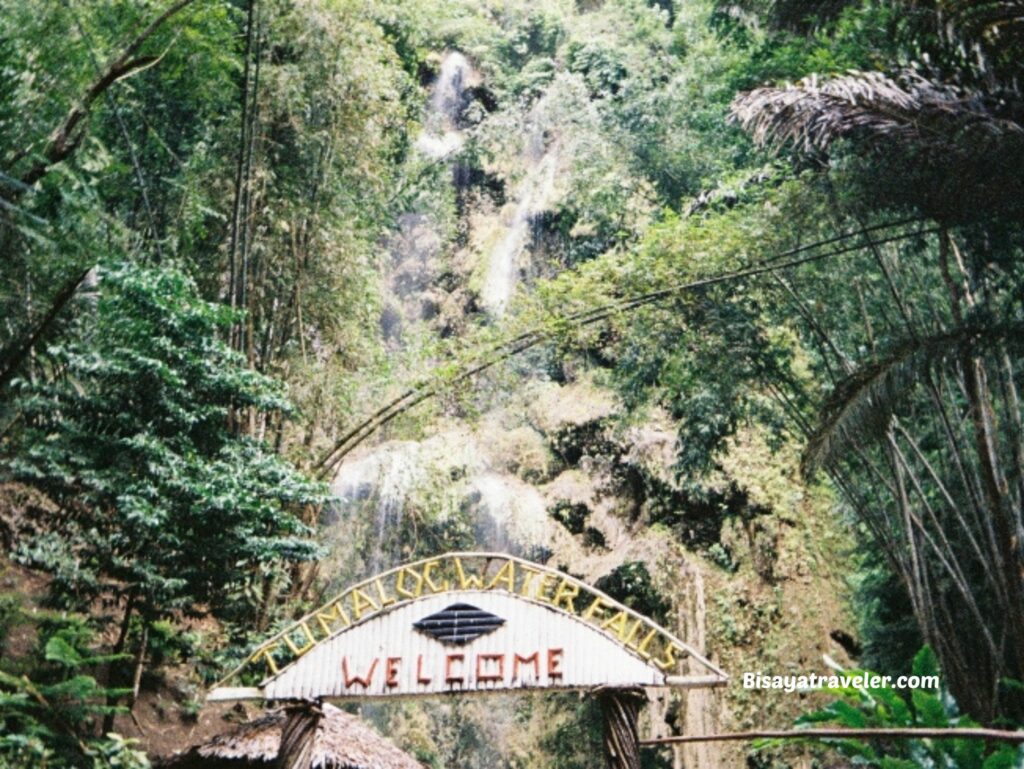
x: 342, y: 741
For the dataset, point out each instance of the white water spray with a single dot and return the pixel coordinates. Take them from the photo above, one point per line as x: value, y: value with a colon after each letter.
x: 378, y: 484
x: 532, y: 196
x: 504, y: 261
x: 441, y: 136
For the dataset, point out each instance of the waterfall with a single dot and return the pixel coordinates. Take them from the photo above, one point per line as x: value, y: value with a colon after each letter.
x: 449, y: 94
x: 532, y: 197
x: 442, y: 136
x: 377, y: 485
x: 510, y: 514
x: 457, y: 468
x: 416, y: 245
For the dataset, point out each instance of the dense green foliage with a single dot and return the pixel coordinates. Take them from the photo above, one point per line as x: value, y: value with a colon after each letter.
x: 158, y: 498
x: 226, y: 239
x: 910, y: 330
x: 882, y: 707
x: 48, y: 720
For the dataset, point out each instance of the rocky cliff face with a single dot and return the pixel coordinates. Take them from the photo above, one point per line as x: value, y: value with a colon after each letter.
x: 551, y: 467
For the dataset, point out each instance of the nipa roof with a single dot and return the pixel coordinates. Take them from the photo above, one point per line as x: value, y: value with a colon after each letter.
x: 342, y: 741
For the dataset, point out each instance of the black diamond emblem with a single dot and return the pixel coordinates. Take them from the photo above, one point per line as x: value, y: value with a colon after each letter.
x: 459, y: 624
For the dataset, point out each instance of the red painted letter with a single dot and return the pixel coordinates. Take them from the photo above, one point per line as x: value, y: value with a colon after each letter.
x: 533, y: 659
x: 448, y: 677
x: 482, y: 677
x: 364, y: 682
x: 391, y: 672
x: 420, y: 678
x: 554, y: 660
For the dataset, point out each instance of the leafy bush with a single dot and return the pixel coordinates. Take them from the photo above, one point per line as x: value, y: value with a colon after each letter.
x: 602, y: 67
x: 159, y: 498
x: 573, y: 516
x: 48, y: 718
x: 860, y: 708
x: 631, y: 583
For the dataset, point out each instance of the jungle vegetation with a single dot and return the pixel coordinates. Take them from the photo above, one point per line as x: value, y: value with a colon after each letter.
x: 803, y: 219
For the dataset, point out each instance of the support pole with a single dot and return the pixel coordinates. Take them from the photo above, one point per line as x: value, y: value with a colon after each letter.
x: 298, y: 736
x: 621, y: 708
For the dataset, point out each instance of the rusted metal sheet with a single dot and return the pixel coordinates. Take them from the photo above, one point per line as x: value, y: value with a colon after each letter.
x: 536, y: 646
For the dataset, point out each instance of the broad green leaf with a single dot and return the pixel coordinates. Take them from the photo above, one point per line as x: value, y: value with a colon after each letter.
x: 59, y: 650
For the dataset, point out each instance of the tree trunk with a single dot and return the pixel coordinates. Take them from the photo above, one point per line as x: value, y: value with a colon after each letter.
x: 1009, y: 566
x: 298, y: 736
x: 122, y: 640
x: 65, y: 138
x: 236, y: 205
x: 139, y: 664
x: 11, y: 360
x: 621, y: 708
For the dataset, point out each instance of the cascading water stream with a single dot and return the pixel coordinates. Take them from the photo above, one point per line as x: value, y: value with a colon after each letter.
x: 503, y: 264
x: 378, y: 484
x: 374, y: 489
x: 533, y: 196
x: 417, y: 243
x: 441, y: 135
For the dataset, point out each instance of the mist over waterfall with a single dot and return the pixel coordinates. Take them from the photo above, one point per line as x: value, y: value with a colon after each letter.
x: 376, y: 485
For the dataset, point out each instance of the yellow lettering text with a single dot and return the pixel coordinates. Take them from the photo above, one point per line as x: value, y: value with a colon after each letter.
x: 565, y: 595
x: 618, y: 623
x: 642, y: 648
x: 507, y: 575
x: 467, y: 581
x: 428, y: 567
x: 332, y: 614
x: 668, y: 659
x: 528, y: 575
x: 267, y: 653
x: 385, y: 599
x: 402, y: 590
x: 361, y: 602
x: 310, y: 641
x: 545, y: 582
x: 596, y: 609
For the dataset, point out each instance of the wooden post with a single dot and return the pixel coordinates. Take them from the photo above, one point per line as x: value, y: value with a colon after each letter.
x: 621, y: 708
x: 298, y: 736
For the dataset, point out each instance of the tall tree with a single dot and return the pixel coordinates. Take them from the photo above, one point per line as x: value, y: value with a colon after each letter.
x: 161, y: 509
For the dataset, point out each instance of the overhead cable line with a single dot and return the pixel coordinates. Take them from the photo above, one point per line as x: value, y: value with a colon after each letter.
x: 504, y: 350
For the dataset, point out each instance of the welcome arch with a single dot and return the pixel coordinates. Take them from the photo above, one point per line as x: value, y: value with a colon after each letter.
x: 466, y: 623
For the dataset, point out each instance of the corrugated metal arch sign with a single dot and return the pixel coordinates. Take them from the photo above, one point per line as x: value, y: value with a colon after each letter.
x: 465, y: 622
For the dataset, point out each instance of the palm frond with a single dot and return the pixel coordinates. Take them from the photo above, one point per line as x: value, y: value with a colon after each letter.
x: 814, y: 113
x: 991, y: 29
x: 860, y: 407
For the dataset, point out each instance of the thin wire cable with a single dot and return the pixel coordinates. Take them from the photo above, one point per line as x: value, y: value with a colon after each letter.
x: 417, y: 394
x: 583, y: 318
